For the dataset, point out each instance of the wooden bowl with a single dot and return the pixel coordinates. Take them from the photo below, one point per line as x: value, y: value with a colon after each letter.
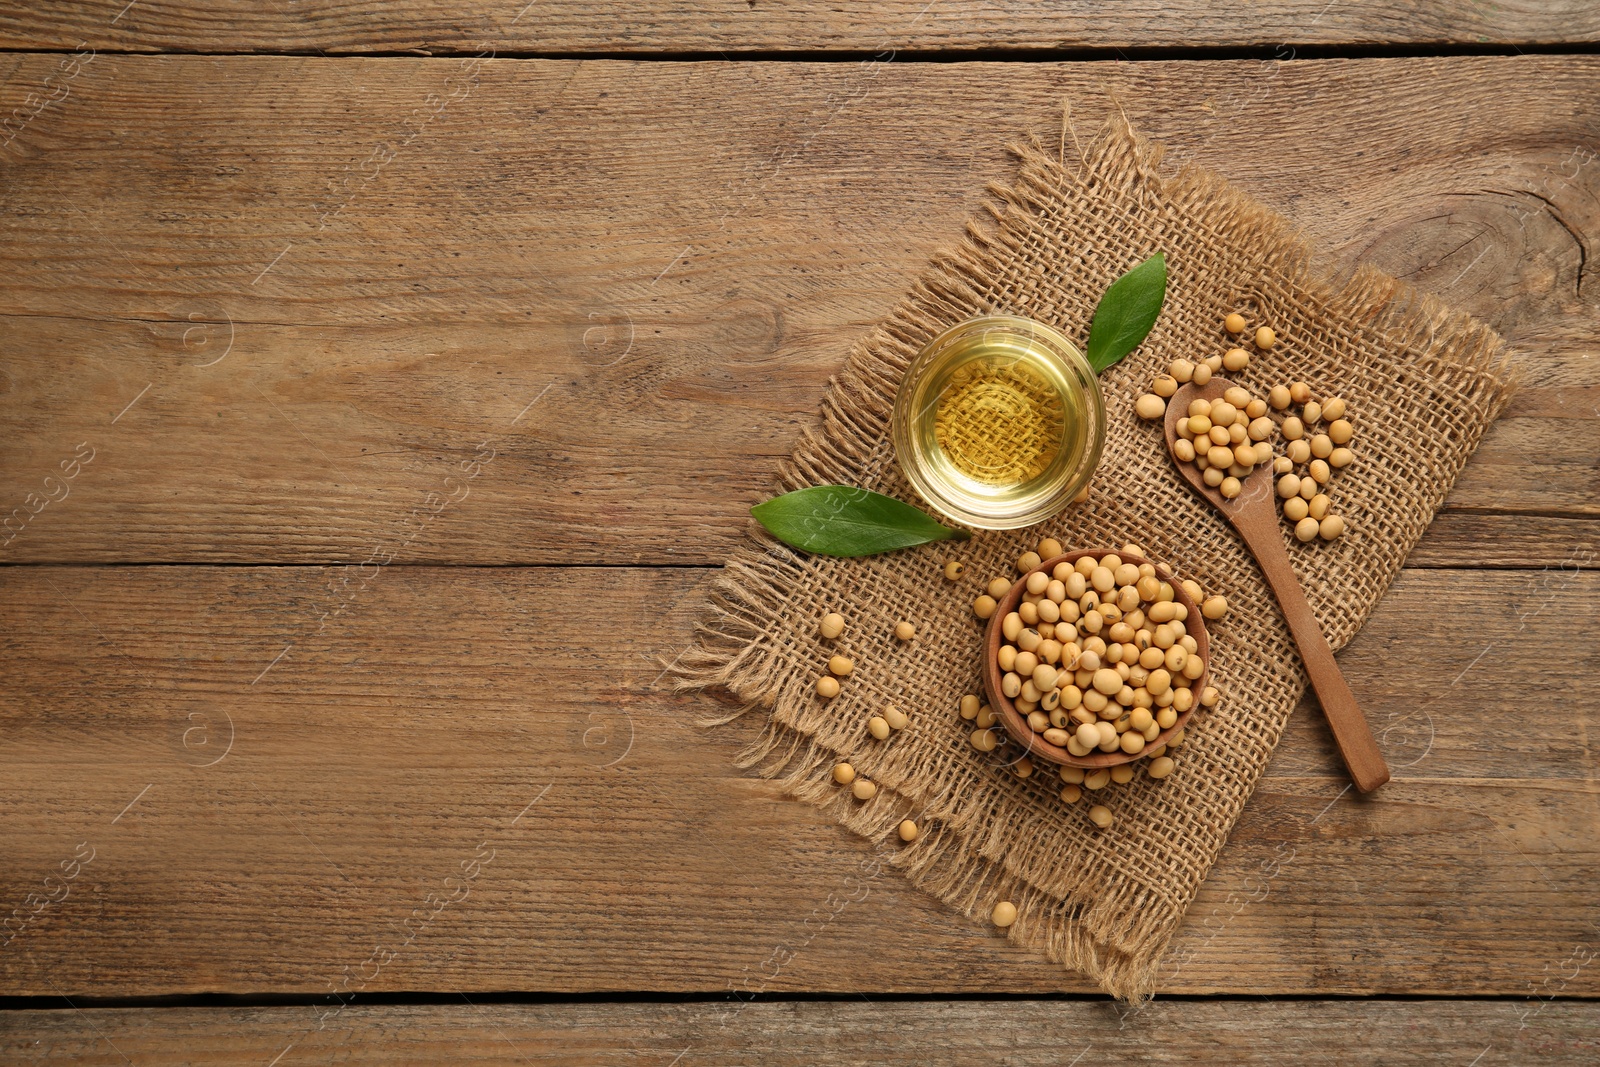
x: 1016, y: 723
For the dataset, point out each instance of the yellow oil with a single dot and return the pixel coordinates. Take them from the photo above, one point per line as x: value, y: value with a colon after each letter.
x: 1005, y: 423
x: 999, y: 423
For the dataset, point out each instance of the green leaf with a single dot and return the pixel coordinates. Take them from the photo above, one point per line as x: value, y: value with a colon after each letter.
x: 841, y: 520
x: 1126, y: 313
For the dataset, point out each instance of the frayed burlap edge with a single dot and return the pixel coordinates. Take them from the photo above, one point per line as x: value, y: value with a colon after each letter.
x: 1101, y: 925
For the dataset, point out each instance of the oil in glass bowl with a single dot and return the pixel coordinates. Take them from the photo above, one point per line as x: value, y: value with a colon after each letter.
x: 998, y: 422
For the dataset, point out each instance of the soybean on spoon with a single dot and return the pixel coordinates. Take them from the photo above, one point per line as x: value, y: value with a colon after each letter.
x: 1254, y: 515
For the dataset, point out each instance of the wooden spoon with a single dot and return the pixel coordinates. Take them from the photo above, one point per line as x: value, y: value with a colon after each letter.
x: 1254, y: 514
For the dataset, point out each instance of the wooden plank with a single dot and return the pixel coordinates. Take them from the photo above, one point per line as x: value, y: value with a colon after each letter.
x: 670, y: 259
x: 1044, y: 1033
x: 741, y: 25
x: 1462, y: 537
x: 325, y: 455
x: 248, y: 805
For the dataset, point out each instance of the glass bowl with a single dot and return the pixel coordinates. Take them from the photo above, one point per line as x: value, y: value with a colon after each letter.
x: 998, y: 422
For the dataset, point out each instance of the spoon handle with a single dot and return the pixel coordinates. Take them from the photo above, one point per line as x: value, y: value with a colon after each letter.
x: 1350, y: 730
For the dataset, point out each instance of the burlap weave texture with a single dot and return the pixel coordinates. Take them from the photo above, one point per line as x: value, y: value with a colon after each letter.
x: 1423, y: 383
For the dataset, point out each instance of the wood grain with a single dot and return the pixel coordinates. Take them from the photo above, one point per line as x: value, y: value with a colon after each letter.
x: 1026, y: 1033
x: 1461, y: 537
x: 493, y: 721
x: 744, y: 25
x: 669, y: 259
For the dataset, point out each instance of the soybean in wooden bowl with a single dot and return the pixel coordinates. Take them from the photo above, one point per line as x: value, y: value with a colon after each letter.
x: 1016, y: 724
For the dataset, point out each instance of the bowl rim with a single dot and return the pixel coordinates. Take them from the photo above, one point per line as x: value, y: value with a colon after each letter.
x: 1017, y: 726
x: 927, y: 487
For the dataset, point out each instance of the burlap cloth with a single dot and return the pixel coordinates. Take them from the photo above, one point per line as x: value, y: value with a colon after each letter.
x: 1422, y: 382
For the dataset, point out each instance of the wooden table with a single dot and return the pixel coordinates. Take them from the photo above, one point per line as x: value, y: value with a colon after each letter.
x: 373, y: 410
